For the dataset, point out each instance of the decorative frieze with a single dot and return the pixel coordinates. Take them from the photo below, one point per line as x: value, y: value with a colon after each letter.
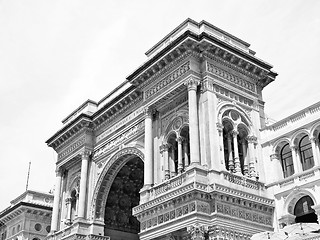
x: 232, y: 96
x: 167, y: 80
x: 119, y: 124
x: 73, y: 147
x: 231, y: 77
x: 116, y: 142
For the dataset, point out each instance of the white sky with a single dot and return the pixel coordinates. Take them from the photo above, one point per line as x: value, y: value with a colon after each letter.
x: 54, y: 55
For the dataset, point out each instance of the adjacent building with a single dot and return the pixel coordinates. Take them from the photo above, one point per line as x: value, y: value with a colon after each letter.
x: 181, y: 149
x: 28, y: 217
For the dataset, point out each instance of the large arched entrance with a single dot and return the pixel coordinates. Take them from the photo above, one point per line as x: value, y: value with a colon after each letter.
x: 117, y: 192
x: 122, y: 197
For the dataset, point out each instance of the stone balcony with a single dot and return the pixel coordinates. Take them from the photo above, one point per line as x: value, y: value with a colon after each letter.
x: 204, y: 195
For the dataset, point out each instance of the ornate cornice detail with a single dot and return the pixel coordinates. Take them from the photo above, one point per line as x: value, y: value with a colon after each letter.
x: 114, y: 115
x: 217, y: 232
x: 117, y: 141
x: 232, y: 96
x: 72, y: 148
x: 230, y: 77
x: 167, y: 80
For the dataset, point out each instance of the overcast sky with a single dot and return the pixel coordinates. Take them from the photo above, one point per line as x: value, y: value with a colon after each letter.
x: 54, y: 55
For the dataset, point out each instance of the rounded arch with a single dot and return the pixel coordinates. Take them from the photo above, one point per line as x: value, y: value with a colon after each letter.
x: 315, y: 130
x: 176, y: 122
x: 294, y: 197
x: 109, y: 172
x: 297, y: 136
x: 223, y: 107
x: 279, y: 144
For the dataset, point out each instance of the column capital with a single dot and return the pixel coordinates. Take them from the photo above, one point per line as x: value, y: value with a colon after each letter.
x: 164, y: 147
x: 180, y: 139
x: 192, y: 83
x: 147, y: 111
x: 234, y: 133
x: 274, y: 156
x: 219, y: 126
x: 68, y: 200
x: 252, y: 139
x: 293, y: 147
x: 85, y: 154
x: 313, y: 139
x: 197, y: 231
x: 207, y: 85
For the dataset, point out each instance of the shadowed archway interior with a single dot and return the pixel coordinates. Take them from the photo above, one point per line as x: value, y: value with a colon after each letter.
x: 122, y: 197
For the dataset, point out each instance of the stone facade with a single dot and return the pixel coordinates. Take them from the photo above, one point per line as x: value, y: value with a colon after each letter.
x: 28, y: 217
x: 174, y: 152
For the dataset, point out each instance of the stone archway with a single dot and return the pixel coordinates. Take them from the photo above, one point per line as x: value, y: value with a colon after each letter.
x: 121, y: 176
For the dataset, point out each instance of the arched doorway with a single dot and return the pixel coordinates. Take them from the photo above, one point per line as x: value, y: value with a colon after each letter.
x: 303, y: 210
x: 122, y: 197
x: 116, y: 193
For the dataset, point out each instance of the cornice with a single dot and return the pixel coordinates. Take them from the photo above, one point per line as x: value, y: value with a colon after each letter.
x: 208, y: 46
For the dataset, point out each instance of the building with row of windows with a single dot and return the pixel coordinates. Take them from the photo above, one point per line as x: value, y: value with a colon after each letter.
x: 181, y: 149
x: 28, y: 217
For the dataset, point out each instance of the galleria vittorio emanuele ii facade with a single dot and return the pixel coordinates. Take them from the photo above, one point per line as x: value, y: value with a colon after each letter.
x: 181, y: 150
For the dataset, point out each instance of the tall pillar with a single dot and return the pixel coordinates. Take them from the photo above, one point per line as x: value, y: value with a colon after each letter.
x: 237, y: 166
x: 180, y: 164
x: 315, y: 151
x: 56, y: 207
x: 171, y: 162
x: 148, y: 148
x: 185, y: 152
x: 245, y: 158
x: 166, y: 161
x: 83, y: 183
x: 296, y: 164
x: 192, y: 84
x: 221, y: 146
x: 68, y: 206
x: 251, y: 141
x: 230, y: 157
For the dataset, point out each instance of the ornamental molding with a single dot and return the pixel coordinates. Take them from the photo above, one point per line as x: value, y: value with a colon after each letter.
x: 237, y: 67
x: 73, y: 147
x: 211, y: 68
x: 119, y: 124
x: 114, y: 115
x: 117, y: 141
x: 217, y: 232
x: 232, y: 96
x: 168, y: 80
x: 245, y: 195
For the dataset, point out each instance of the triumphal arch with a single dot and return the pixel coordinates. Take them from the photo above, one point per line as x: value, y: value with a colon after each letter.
x: 173, y: 152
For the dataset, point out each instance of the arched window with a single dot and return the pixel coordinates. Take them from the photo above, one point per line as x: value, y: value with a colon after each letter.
x: 286, y: 161
x: 305, y: 150
x: 235, y: 143
x: 303, y: 210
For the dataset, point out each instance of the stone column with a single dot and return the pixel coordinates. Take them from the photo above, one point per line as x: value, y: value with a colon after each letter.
x: 296, y: 164
x: 221, y: 146
x: 251, y: 141
x: 83, y: 183
x: 192, y: 84
x: 230, y: 157
x: 56, y: 207
x: 237, y: 166
x: 245, y: 158
x: 278, y: 170
x: 166, y: 161
x: 180, y: 163
x: 148, y: 148
x: 185, y: 152
x: 315, y: 151
x: 172, y: 163
x: 68, y: 206
x: 197, y: 231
